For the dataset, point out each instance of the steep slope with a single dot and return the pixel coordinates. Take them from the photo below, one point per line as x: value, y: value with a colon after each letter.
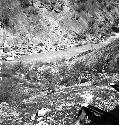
x: 36, y: 26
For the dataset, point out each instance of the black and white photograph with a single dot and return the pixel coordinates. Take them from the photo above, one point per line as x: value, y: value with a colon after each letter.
x: 59, y: 62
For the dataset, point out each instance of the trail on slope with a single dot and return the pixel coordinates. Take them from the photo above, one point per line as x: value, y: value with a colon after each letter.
x: 70, y: 52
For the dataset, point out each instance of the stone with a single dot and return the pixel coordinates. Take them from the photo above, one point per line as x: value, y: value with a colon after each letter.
x: 33, y: 117
x: 10, y: 58
x: 43, y: 111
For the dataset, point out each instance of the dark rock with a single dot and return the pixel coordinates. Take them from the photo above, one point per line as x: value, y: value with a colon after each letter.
x: 115, y: 29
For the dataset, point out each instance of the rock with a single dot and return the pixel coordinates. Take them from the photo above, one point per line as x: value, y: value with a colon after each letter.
x: 4, y: 104
x: 39, y: 119
x: 85, y: 104
x: 43, y: 111
x: 10, y: 58
x: 42, y: 123
x: 77, y: 123
x: 88, y: 98
x: 33, y: 117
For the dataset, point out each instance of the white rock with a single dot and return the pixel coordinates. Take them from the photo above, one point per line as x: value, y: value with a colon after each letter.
x: 42, y: 123
x: 88, y: 98
x: 33, y: 117
x: 43, y: 111
x: 112, y: 83
x: 49, y: 118
x: 5, y: 104
x: 85, y: 104
x: 40, y: 118
x: 10, y: 58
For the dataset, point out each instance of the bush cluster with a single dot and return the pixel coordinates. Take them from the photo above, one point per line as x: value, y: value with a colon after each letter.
x: 44, y: 77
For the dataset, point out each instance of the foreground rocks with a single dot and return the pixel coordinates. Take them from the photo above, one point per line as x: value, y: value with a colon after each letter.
x: 70, y: 99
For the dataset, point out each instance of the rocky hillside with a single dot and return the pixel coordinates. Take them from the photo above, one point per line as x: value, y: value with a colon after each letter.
x: 36, y: 26
x: 54, y: 92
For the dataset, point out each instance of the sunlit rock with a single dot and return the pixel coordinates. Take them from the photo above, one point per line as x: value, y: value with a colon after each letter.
x: 42, y: 123
x: 43, y: 111
x: 33, y: 117
x: 88, y: 97
x: 10, y: 58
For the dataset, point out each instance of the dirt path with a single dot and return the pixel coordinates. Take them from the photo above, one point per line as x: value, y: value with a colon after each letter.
x: 70, y: 52
x: 52, y: 56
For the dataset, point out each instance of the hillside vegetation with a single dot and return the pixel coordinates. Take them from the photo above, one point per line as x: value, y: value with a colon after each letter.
x: 59, y: 87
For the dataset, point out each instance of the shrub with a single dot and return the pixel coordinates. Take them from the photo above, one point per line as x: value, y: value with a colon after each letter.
x: 25, y: 3
x: 6, y: 70
x: 63, y: 74
x: 20, y: 67
x: 32, y: 76
x: 70, y: 75
x: 10, y: 79
x: 6, y: 87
